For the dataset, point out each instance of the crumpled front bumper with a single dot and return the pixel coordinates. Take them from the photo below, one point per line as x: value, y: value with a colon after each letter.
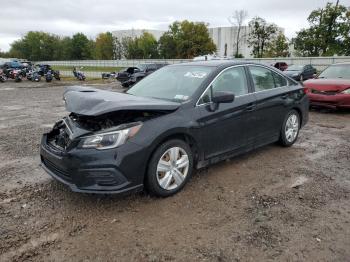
x: 94, y: 171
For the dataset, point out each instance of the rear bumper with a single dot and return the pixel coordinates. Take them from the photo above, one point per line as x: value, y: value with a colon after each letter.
x: 95, y: 171
x: 330, y: 101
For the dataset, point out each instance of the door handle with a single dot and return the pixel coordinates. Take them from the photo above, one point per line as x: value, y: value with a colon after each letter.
x: 250, y: 107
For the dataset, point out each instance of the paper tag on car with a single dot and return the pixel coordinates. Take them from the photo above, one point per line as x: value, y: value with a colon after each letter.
x: 195, y: 74
x: 181, y: 97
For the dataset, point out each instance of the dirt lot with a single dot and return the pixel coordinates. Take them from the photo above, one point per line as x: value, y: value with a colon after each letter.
x: 246, y: 209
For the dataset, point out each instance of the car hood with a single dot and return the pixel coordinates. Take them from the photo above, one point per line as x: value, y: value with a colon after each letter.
x: 321, y: 84
x: 94, y: 102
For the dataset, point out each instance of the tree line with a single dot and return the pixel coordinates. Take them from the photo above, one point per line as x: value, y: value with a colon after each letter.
x: 328, y: 34
x: 183, y: 40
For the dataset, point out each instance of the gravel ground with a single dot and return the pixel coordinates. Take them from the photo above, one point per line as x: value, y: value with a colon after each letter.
x: 285, y: 204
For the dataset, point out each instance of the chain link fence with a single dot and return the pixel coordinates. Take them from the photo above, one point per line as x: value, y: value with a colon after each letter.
x: 319, y: 63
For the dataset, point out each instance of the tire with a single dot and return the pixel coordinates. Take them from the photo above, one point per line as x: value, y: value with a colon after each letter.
x: 290, y: 129
x: 167, y: 183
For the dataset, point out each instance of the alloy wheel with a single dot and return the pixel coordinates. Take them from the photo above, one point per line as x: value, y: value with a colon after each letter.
x: 292, y: 128
x: 172, y: 168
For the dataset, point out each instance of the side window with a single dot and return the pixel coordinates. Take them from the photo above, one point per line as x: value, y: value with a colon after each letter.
x: 262, y: 78
x: 279, y: 80
x: 231, y: 80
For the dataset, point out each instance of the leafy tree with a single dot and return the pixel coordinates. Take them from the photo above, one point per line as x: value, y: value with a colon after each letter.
x: 65, y: 48
x: 148, y: 45
x: 237, y: 19
x: 118, y: 48
x: 186, y: 40
x: 143, y: 47
x: 36, y: 46
x: 328, y: 33
x: 104, y: 49
x: 278, y: 47
x: 168, y: 42
x: 260, y: 35
x: 82, y: 47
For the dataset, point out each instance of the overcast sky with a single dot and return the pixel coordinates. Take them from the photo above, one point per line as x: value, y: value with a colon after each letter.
x: 66, y: 17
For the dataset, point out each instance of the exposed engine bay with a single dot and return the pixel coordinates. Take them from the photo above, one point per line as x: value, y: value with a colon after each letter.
x: 113, y: 119
x: 75, y: 124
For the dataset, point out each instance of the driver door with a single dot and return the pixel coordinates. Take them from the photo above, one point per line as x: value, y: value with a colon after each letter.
x: 226, y: 129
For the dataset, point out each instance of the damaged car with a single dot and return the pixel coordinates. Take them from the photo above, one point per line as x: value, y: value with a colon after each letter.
x: 131, y: 75
x: 180, y: 118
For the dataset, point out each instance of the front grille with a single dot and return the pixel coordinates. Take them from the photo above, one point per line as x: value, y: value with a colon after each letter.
x: 56, y: 170
x: 329, y: 93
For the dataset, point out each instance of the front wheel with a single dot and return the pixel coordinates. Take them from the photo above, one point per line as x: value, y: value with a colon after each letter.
x: 170, y: 168
x: 290, y: 128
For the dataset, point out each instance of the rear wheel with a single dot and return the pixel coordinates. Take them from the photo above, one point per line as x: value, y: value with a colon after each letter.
x: 290, y: 128
x: 170, y: 168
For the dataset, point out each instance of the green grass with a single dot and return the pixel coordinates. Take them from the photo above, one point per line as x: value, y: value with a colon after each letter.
x: 88, y: 79
x: 90, y: 68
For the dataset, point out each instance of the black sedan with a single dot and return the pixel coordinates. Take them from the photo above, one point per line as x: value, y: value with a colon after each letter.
x: 300, y: 72
x: 180, y: 118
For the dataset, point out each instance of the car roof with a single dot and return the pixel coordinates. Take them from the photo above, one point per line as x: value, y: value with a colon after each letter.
x: 217, y: 63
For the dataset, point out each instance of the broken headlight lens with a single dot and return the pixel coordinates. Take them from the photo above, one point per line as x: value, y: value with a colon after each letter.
x: 110, y: 139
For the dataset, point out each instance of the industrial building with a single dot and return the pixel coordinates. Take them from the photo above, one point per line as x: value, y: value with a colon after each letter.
x: 223, y: 37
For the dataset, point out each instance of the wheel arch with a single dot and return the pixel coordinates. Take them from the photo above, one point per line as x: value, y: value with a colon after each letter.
x: 181, y: 135
x: 300, y: 114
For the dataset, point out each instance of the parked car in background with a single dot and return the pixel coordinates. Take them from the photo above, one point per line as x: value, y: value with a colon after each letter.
x: 281, y: 65
x: 2, y: 76
x: 11, y: 65
x: 300, y: 72
x: 331, y: 88
x: 132, y: 75
x: 181, y: 117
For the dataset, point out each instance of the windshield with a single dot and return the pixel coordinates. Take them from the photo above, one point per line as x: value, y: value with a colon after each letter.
x: 176, y: 83
x: 336, y: 71
x: 295, y: 67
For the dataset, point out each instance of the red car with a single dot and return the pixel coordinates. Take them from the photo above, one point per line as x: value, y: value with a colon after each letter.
x: 331, y: 88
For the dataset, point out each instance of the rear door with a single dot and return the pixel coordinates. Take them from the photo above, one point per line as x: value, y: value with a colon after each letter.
x: 224, y: 130
x: 271, y: 93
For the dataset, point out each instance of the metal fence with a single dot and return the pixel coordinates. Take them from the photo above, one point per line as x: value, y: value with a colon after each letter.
x: 318, y: 62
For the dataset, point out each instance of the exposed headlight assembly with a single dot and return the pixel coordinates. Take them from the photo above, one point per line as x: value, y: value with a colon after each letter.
x: 111, y: 139
x: 346, y: 91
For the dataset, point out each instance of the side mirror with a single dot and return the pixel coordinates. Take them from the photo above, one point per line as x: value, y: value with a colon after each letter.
x: 223, y: 97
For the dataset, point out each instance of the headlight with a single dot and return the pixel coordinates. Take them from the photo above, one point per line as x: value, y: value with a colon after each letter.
x: 110, y: 139
x: 296, y: 74
x: 346, y: 91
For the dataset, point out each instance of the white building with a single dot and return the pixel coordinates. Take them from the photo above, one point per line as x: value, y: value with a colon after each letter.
x: 225, y: 38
